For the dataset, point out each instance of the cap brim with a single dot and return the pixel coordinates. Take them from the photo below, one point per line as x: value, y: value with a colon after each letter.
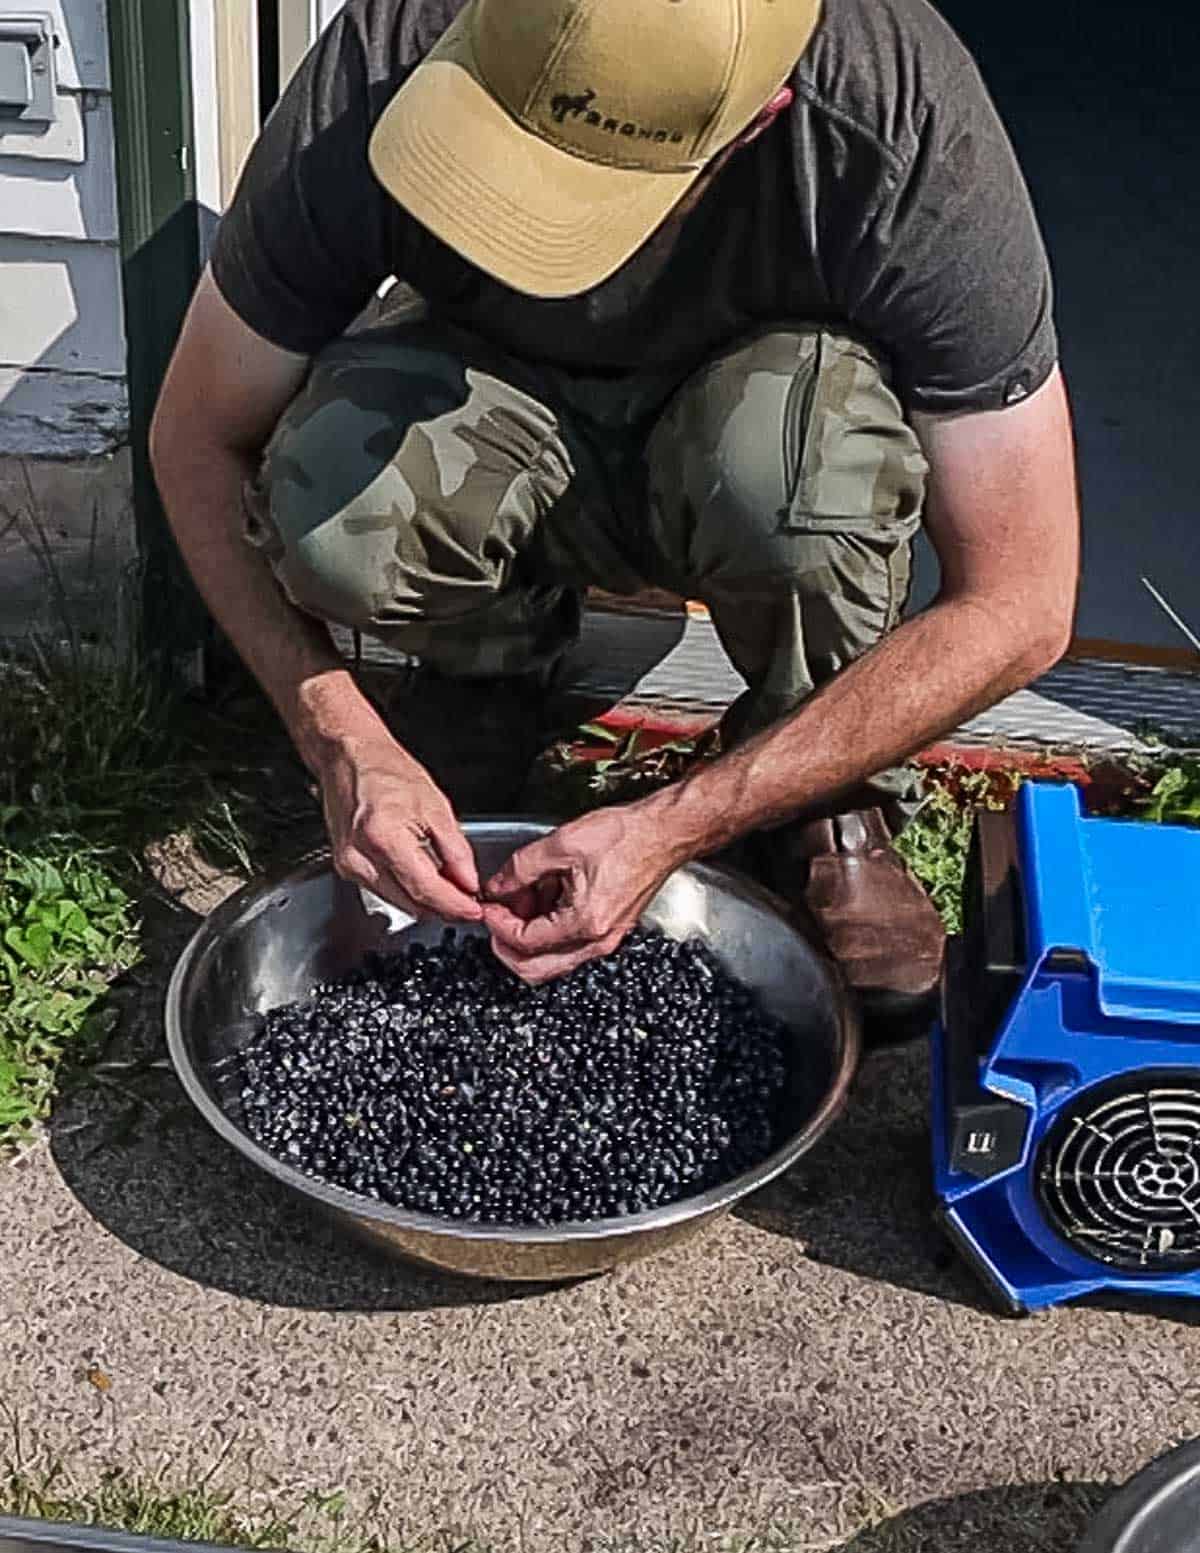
x: 536, y: 218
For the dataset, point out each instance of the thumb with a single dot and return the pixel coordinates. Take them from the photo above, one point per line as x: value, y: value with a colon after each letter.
x: 524, y: 868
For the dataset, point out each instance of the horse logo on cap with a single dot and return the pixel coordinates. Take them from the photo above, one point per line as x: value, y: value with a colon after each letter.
x: 576, y: 106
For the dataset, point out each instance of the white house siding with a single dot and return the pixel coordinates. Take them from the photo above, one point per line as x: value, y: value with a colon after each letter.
x: 62, y: 344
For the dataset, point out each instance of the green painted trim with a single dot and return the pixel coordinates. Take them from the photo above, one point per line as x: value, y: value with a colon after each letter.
x: 149, y: 42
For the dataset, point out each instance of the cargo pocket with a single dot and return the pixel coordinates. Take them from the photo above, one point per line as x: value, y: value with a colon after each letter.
x: 855, y: 465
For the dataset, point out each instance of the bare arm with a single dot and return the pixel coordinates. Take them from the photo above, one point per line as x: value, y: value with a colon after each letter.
x: 224, y: 391
x: 1003, y: 516
x: 223, y: 394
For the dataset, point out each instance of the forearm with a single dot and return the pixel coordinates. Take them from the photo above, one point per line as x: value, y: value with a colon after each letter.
x: 290, y: 654
x: 927, y: 677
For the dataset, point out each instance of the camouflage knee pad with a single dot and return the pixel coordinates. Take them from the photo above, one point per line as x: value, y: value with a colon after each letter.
x: 397, y: 495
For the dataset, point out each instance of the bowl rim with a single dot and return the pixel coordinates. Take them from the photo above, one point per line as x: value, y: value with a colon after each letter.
x: 716, y: 1200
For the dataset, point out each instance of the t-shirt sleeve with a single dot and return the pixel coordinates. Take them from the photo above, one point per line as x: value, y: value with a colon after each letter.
x: 304, y: 243
x: 951, y: 275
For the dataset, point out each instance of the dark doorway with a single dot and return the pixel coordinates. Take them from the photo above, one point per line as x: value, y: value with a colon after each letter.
x: 1102, y: 101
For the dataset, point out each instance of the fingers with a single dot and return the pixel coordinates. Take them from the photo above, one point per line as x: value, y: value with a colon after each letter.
x: 528, y: 906
x: 458, y: 860
x: 407, y: 876
x: 536, y: 900
x: 351, y: 864
x: 537, y: 969
x: 433, y: 891
x: 540, y: 934
x: 525, y: 868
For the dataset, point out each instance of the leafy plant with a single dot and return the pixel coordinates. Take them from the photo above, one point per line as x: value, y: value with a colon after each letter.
x: 66, y: 931
x: 935, y: 842
x: 632, y: 769
x: 1175, y: 797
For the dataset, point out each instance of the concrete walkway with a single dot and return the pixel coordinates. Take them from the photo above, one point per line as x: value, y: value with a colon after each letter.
x: 817, y: 1364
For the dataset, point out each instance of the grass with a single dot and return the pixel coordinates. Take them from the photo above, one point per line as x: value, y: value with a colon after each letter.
x: 97, y: 751
x: 201, y: 1513
x: 320, y: 1523
x: 192, y: 1515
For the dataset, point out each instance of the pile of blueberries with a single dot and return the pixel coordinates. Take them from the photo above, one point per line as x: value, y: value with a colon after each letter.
x: 437, y: 1081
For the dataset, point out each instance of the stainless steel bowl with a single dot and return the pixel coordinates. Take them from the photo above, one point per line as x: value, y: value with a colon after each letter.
x: 271, y: 941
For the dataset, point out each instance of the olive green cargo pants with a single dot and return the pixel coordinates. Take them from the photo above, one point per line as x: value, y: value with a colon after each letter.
x: 455, y: 502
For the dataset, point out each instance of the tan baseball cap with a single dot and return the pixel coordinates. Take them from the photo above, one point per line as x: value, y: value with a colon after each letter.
x: 545, y: 140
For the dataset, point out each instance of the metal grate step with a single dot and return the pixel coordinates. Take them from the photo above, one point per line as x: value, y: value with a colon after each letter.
x: 673, y: 666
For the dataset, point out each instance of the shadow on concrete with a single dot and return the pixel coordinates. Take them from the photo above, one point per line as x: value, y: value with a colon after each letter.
x: 1179, y: 1312
x: 140, y: 1159
x: 863, y: 1199
x: 1029, y: 1518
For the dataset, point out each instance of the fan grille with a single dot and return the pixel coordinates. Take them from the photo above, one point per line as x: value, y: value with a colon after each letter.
x: 1119, y: 1173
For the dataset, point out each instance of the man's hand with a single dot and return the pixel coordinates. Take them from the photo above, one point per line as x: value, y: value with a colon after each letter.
x: 574, y: 895
x: 394, y: 831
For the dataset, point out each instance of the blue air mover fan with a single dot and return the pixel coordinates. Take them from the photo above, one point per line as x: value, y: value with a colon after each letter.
x: 1066, y: 1085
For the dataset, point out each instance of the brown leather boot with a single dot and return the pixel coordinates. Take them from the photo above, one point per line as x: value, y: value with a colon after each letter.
x: 868, y: 910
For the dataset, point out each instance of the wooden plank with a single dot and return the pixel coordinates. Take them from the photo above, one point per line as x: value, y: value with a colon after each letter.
x: 76, y: 201
x: 1142, y: 655
x: 61, y: 414
x: 60, y: 305
x: 297, y: 30
x: 237, y: 88
x: 647, y: 601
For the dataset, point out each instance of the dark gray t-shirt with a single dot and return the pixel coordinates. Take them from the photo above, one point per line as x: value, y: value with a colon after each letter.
x: 888, y: 199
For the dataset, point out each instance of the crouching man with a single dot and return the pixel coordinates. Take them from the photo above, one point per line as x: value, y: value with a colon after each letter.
x: 726, y: 297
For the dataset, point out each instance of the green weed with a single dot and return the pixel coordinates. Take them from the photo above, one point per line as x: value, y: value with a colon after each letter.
x: 96, y: 752
x: 201, y: 1513
x: 192, y: 1515
x: 935, y: 842
x: 66, y: 931
x: 1175, y: 796
x: 566, y: 783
